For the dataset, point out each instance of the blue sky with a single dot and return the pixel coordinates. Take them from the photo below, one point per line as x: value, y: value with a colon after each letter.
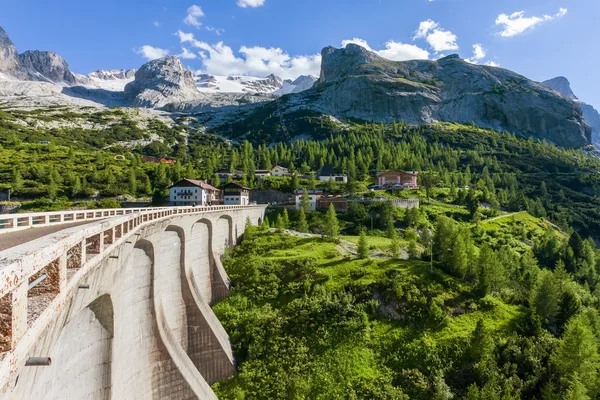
x: 537, y: 38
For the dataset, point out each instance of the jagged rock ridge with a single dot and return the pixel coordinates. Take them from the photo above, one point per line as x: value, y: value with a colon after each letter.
x: 9, y: 58
x: 356, y: 83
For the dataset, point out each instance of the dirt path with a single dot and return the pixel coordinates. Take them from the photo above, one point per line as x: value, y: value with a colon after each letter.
x: 345, y: 247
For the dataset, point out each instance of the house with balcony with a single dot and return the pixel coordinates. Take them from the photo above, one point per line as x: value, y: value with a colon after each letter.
x: 393, y: 179
x: 189, y: 192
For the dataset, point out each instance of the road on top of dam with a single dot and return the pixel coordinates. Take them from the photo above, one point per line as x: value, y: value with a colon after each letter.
x: 13, y: 239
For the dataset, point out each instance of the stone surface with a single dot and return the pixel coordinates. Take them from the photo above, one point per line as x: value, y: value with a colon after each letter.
x: 144, y: 329
x: 46, y: 66
x: 356, y: 83
x: 9, y: 58
x: 160, y: 82
x: 591, y: 115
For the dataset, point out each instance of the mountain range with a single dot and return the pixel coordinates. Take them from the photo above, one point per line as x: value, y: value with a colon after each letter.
x: 355, y: 84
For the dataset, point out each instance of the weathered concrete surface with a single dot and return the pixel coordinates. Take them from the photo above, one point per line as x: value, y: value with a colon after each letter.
x: 144, y: 328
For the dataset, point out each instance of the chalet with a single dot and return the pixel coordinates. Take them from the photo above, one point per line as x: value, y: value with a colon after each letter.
x: 235, y: 194
x: 280, y: 171
x: 189, y: 192
x: 398, y: 179
x: 262, y: 173
x: 327, y: 173
x: 313, y: 197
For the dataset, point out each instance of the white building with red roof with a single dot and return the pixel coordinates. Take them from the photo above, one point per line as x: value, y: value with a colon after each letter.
x: 189, y: 192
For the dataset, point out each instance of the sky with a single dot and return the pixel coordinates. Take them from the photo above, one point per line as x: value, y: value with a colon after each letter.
x: 539, y: 39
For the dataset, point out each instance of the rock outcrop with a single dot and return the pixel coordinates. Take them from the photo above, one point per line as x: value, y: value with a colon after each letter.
x: 591, y: 115
x: 9, y: 58
x: 300, y: 84
x: 33, y: 65
x: 160, y: 82
x: 46, y: 66
x: 112, y: 74
x: 356, y: 83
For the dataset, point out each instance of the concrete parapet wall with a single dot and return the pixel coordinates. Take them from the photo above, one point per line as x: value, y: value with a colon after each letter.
x: 133, y: 321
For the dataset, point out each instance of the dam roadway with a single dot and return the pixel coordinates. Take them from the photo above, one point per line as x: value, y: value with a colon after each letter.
x: 117, y: 306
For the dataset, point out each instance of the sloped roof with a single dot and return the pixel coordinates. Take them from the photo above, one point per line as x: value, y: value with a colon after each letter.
x: 200, y: 184
x: 327, y: 170
x: 236, y: 185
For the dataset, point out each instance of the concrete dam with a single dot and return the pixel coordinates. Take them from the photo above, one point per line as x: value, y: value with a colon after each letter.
x: 116, y: 304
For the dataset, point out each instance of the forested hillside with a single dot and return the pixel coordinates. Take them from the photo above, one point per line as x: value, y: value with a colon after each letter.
x: 507, y: 310
x: 509, y: 172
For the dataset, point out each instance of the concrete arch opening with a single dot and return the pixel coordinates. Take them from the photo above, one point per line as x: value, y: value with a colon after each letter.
x: 168, y: 279
x: 200, y: 257
x: 223, y: 234
x: 81, y: 359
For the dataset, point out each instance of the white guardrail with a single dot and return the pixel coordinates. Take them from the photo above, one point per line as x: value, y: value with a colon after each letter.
x: 79, y: 247
x: 15, y: 222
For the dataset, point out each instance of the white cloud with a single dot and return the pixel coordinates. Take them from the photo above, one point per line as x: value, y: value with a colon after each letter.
x: 492, y: 64
x: 250, y: 3
x: 396, y: 51
x: 194, y: 12
x: 517, y: 23
x: 217, y: 31
x: 151, y: 53
x: 186, y: 54
x: 479, y: 54
x: 438, y: 38
x: 156, y: 24
x: 220, y: 59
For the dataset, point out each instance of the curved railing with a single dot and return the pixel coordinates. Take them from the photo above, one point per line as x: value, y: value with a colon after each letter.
x: 15, y: 222
x: 52, y: 264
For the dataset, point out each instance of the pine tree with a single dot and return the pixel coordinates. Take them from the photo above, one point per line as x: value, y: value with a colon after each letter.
x: 132, y: 183
x: 312, y: 183
x: 286, y: 218
x: 217, y: 181
x: 576, y: 390
x: 363, y: 245
x: 279, y: 223
x: 295, y: 184
x: 412, y: 250
x: 395, y: 246
x: 16, y: 181
x: 305, y: 201
x: 52, y: 188
x: 302, y: 225
x: 577, y: 354
x: 545, y: 297
x: 265, y: 223
x: 332, y: 226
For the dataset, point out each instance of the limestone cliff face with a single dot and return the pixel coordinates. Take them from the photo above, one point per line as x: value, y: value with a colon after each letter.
x: 356, y: 83
x: 160, y: 82
x: 9, y: 58
x: 590, y: 114
x: 46, y: 66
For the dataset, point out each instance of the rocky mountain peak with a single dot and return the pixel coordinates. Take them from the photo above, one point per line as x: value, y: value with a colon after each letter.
x: 9, y: 58
x: 46, y: 66
x: 161, y: 81
x: 562, y: 86
x: 339, y: 63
